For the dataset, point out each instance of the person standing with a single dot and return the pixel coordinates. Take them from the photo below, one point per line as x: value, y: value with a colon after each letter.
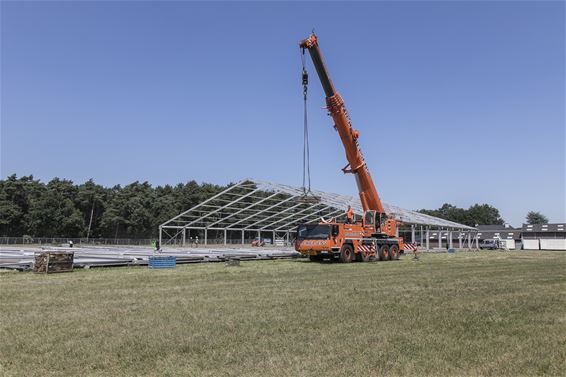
x: 350, y: 215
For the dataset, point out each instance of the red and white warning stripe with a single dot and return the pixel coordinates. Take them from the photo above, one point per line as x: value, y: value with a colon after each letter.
x: 366, y: 248
x: 410, y: 247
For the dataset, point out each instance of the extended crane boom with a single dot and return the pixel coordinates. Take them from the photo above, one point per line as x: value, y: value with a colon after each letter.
x: 356, y: 164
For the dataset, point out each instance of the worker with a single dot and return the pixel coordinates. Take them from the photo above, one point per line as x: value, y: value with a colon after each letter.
x: 350, y: 215
x: 415, y: 256
x: 196, y: 241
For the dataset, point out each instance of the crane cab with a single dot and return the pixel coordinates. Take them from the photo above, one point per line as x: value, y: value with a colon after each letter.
x: 379, y: 225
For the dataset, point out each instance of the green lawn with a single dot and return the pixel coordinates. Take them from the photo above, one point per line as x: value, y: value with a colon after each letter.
x: 485, y: 313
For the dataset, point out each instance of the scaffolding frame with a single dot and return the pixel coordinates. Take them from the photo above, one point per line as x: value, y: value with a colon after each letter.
x: 263, y: 207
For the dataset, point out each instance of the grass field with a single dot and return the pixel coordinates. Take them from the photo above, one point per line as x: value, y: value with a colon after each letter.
x: 467, y: 314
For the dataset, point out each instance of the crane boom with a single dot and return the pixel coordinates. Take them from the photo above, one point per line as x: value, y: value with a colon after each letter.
x: 375, y: 234
x: 356, y: 164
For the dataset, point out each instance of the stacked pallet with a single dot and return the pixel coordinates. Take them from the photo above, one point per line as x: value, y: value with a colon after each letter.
x: 53, y: 261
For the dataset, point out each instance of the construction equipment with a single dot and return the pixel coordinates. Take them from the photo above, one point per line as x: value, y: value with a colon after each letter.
x: 376, y: 234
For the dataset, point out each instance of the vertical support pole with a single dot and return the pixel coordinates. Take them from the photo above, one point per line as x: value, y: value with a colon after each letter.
x: 477, y: 241
x: 427, y: 238
x: 184, y: 236
x: 225, y: 232
x: 243, y: 237
x: 422, y: 238
x: 460, y: 239
x: 440, y: 238
x: 160, y: 236
x: 205, y: 236
x: 450, y: 245
x: 413, y: 238
x: 469, y: 240
x: 273, y: 239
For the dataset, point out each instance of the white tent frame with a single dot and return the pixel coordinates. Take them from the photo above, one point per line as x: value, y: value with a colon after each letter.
x: 258, y: 206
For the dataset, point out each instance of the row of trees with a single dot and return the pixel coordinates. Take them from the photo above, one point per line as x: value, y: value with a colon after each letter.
x: 63, y: 209
x: 478, y: 214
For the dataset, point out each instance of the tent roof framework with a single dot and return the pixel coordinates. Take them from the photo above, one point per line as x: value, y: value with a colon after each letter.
x: 253, y: 205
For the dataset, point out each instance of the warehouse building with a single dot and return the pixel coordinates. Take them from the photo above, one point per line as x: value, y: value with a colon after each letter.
x: 511, y: 236
x: 544, y: 236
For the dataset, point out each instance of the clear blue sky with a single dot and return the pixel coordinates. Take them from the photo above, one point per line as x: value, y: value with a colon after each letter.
x: 459, y: 102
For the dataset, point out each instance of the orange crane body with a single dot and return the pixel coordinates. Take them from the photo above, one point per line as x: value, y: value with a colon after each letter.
x: 375, y: 235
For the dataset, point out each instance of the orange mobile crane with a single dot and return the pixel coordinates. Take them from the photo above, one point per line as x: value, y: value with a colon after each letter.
x: 373, y: 236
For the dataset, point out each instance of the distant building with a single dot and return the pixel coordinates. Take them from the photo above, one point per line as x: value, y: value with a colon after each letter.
x: 528, y: 237
x: 488, y: 232
x: 544, y: 236
x: 510, y: 235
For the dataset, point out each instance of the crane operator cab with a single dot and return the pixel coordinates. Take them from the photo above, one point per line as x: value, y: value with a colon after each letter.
x: 379, y: 225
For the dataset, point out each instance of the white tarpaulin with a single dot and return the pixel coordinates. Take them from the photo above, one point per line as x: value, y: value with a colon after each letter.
x: 552, y: 244
x: 531, y: 244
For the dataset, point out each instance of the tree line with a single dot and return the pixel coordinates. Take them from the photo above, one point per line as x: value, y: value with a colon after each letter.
x: 60, y: 208
x: 479, y: 214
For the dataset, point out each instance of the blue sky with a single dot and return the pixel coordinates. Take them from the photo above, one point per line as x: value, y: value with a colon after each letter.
x: 458, y: 102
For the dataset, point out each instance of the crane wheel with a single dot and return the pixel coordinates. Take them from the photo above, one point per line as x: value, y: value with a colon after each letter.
x: 383, y: 253
x: 346, y: 254
x: 394, y: 252
x: 362, y: 257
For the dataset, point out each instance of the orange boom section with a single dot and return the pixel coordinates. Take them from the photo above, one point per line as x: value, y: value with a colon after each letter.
x: 356, y: 164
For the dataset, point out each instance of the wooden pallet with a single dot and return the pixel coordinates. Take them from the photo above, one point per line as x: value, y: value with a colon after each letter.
x: 53, y: 261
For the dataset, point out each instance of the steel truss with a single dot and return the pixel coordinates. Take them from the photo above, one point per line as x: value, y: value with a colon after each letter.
x: 258, y: 207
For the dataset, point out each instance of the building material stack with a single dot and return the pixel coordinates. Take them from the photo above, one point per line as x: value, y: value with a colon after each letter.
x: 53, y: 261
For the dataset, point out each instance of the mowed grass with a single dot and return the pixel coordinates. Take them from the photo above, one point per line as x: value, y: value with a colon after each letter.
x: 468, y: 314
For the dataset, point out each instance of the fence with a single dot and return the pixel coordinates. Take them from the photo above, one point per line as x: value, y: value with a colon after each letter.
x: 191, y: 242
x: 27, y: 240
x: 178, y: 242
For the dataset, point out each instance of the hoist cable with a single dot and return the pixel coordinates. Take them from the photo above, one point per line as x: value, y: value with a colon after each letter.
x: 306, y: 152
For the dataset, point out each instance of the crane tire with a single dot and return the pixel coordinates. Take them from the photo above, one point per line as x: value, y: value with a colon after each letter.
x: 383, y: 253
x: 346, y: 254
x: 394, y: 252
x: 362, y: 257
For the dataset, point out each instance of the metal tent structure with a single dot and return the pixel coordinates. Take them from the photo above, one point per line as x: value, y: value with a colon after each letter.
x: 253, y: 208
